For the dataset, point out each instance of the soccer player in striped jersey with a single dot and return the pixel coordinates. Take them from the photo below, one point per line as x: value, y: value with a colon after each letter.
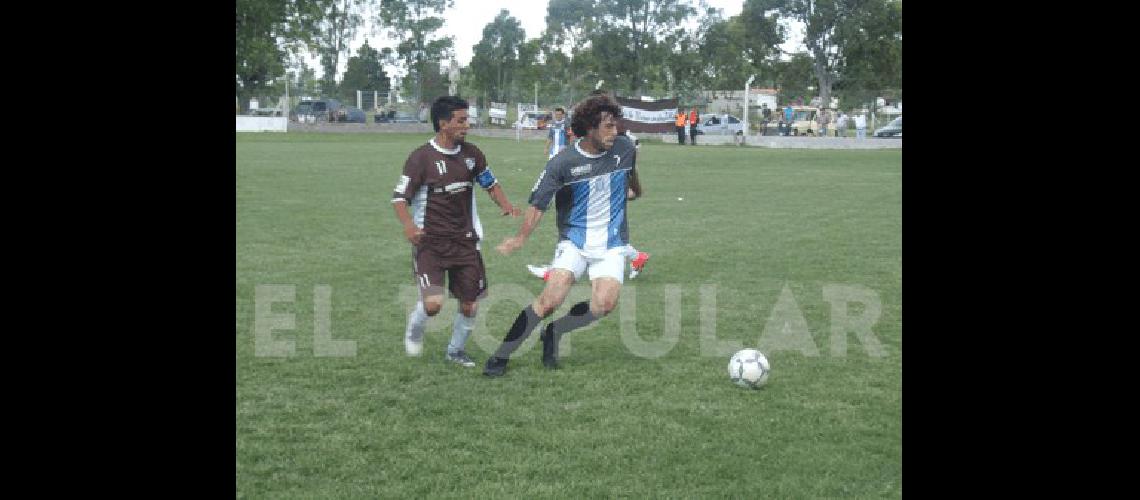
x: 588, y: 183
x: 637, y: 258
x: 557, y: 138
x: 443, y: 226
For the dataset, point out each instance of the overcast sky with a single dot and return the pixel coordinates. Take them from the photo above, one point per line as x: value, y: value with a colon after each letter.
x: 466, y: 20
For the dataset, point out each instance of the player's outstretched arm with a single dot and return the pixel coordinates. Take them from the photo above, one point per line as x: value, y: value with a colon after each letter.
x: 530, y: 221
x: 500, y: 197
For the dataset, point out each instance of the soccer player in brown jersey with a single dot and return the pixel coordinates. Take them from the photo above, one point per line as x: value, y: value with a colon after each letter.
x: 443, y: 226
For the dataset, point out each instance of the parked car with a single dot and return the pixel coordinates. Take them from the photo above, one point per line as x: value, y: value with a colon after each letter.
x: 351, y: 115
x: 803, y: 120
x: 321, y: 110
x: 394, y: 117
x: 892, y: 129
x: 721, y: 125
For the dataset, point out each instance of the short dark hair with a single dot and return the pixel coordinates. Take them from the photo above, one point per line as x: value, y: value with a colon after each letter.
x: 559, y: 108
x: 443, y: 107
x: 588, y: 113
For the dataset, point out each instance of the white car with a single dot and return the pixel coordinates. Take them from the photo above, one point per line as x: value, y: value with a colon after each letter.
x: 721, y: 125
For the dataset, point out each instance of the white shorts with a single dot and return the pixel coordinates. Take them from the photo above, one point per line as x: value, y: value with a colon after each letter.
x: 610, y: 265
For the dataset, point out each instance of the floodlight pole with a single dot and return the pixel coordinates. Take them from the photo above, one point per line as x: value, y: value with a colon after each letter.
x: 744, y: 133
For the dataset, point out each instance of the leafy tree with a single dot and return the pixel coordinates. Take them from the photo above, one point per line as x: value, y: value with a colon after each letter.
x: 759, y: 31
x: 496, y: 57
x: 794, y: 76
x: 306, y: 81
x: 434, y: 82
x: 836, y: 30
x: 414, y: 23
x: 633, y: 34
x: 721, y: 53
x: 621, y: 40
x: 569, y: 24
x: 568, y: 63
x: 267, y: 31
x: 872, y: 65
x: 342, y: 21
x: 365, y: 71
x: 529, y: 71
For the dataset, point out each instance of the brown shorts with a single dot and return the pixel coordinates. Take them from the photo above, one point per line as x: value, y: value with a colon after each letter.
x: 463, y: 263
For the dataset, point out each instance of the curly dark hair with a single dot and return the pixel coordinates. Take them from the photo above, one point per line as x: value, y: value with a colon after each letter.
x: 588, y: 113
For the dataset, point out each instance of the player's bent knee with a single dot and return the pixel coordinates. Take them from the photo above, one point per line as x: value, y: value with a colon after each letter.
x: 469, y: 308
x: 605, y: 296
x: 557, y: 287
x: 561, y: 278
x: 544, y: 305
x: 603, y: 305
x: 601, y: 308
x: 549, y: 300
x: 432, y: 307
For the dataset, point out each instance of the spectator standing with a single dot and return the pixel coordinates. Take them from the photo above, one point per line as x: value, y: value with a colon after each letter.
x: 694, y: 119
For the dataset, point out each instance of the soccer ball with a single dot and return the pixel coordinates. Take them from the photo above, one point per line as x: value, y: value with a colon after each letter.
x: 749, y: 368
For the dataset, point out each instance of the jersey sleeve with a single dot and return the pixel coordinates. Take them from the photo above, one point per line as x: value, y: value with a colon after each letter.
x: 548, y: 183
x: 410, y: 181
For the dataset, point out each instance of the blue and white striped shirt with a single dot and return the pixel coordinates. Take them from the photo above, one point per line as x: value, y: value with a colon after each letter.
x: 558, y: 137
x: 589, y: 194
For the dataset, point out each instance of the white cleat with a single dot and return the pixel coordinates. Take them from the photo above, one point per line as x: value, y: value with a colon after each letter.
x: 413, y: 348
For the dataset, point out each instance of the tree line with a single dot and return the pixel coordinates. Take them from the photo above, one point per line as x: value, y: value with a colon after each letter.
x: 639, y: 47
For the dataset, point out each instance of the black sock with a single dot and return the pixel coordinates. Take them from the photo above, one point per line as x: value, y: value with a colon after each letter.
x: 525, y: 324
x: 578, y: 317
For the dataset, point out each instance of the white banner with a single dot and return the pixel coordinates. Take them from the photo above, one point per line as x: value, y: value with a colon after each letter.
x: 643, y: 116
x: 262, y: 123
x: 498, y: 110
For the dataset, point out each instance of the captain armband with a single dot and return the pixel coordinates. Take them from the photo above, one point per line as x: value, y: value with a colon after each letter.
x: 486, y: 179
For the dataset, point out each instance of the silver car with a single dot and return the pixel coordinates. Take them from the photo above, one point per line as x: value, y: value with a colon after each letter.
x: 892, y: 129
x: 721, y: 125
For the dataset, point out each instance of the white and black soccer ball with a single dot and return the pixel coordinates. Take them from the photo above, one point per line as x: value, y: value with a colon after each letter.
x: 749, y: 368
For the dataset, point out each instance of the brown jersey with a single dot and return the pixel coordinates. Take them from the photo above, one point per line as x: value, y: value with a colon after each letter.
x: 438, y: 186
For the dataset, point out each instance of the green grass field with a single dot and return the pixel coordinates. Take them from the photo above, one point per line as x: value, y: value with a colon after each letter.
x: 759, y: 238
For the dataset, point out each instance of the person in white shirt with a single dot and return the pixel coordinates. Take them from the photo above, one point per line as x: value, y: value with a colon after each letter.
x: 860, y: 126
